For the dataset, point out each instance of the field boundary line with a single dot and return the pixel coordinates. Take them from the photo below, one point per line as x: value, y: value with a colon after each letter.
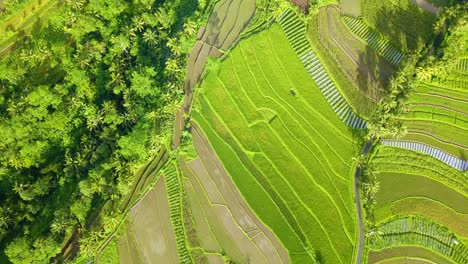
x: 189, y: 181
x: 237, y: 201
x: 416, y: 131
x: 448, y: 185
x: 325, y: 192
x: 206, y: 197
x: 440, y: 106
x: 285, y: 103
x: 225, y: 204
x: 427, y: 149
x: 159, y: 216
x: 296, y: 121
x: 305, y: 54
x: 255, y: 179
x: 306, y: 103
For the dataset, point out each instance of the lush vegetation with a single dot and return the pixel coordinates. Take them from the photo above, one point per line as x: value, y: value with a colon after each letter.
x: 439, y: 105
x: 359, y: 101
x: 405, y: 25
x: 83, y: 104
x: 407, y: 231
x: 271, y: 137
x: 88, y: 91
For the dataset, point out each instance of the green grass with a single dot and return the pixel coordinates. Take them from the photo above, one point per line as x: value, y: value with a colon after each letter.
x: 368, y: 71
x: 398, y: 161
x: 289, y: 155
x: 405, y: 25
x: 418, y: 231
x: 354, y: 96
x: 397, y: 186
x: 109, y: 255
x: 407, y: 252
x: 425, y: 207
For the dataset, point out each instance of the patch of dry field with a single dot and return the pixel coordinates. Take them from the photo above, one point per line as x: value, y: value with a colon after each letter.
x: 149, y: 234
x: 223, y: 220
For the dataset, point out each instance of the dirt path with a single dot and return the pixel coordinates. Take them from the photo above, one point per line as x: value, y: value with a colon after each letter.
x: 426, y: 6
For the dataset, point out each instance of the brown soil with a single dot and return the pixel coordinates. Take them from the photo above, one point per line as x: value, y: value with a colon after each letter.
x: 304, y: 5
x: 263, y: 238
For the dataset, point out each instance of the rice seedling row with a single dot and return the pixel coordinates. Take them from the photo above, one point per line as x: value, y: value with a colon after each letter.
x: 437, y: 153
x: 294, y: 28
x: 374, y: 40
x: 391, y: 159
x: 413, y: 230
x: 174, y: 193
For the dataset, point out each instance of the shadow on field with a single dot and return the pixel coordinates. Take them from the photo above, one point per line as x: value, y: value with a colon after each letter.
x: 372, y: 72
x: 397, y: 25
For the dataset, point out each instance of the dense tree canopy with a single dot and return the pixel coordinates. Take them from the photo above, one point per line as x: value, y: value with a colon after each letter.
x: 83, y: 103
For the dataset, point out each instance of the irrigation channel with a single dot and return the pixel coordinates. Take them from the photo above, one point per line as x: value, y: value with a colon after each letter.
x: 357, y: 202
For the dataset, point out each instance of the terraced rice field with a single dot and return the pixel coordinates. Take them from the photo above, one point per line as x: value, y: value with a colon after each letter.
x: 283, y: 145
x: 374, y: 40
x: 439, y: 117
x: 149, y: 236
x: 228, y: 19
x: 407, y: 255
x: 417, y: 231
x: 368, y: 71
x: 439, y: 154
x: 23, y: 23
x: 294, y: 28
x: 406, y: 26
x: 401, y: 161
x: 223, y: 221
x: 418, y: 185
x: 425, y: 205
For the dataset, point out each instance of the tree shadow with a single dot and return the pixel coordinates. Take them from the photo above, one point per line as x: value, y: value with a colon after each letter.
x: 406, y: 26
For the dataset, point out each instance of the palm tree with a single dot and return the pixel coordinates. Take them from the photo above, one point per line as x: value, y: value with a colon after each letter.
x: 360, y: 161
x: 424, y: 73
x: 375, y: 130
x: 190, y: 28
x: 4, y: 218
x: 399, y: 130
x: 150, y: 37
x: 371, y: 188
x: 138, y: 24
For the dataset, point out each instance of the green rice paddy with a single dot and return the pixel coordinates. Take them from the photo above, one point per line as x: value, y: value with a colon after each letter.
x: 287, y: 151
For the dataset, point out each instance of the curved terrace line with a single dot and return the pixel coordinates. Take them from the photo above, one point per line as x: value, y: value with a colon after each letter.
x: 416, y: 131
x: 298, y: 41
x: 437, y: 153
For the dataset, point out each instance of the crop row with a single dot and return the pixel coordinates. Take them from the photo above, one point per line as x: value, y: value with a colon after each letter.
x: 453, y: 83
x: 295, y: 32
x: 374, y: 40
x: 410, y: 162
x: 404, y: 24
x: 439, y: 154
x: 446, y: 132
x: 462, y: 66
x: 412, y: 230
x: 174, y: 190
